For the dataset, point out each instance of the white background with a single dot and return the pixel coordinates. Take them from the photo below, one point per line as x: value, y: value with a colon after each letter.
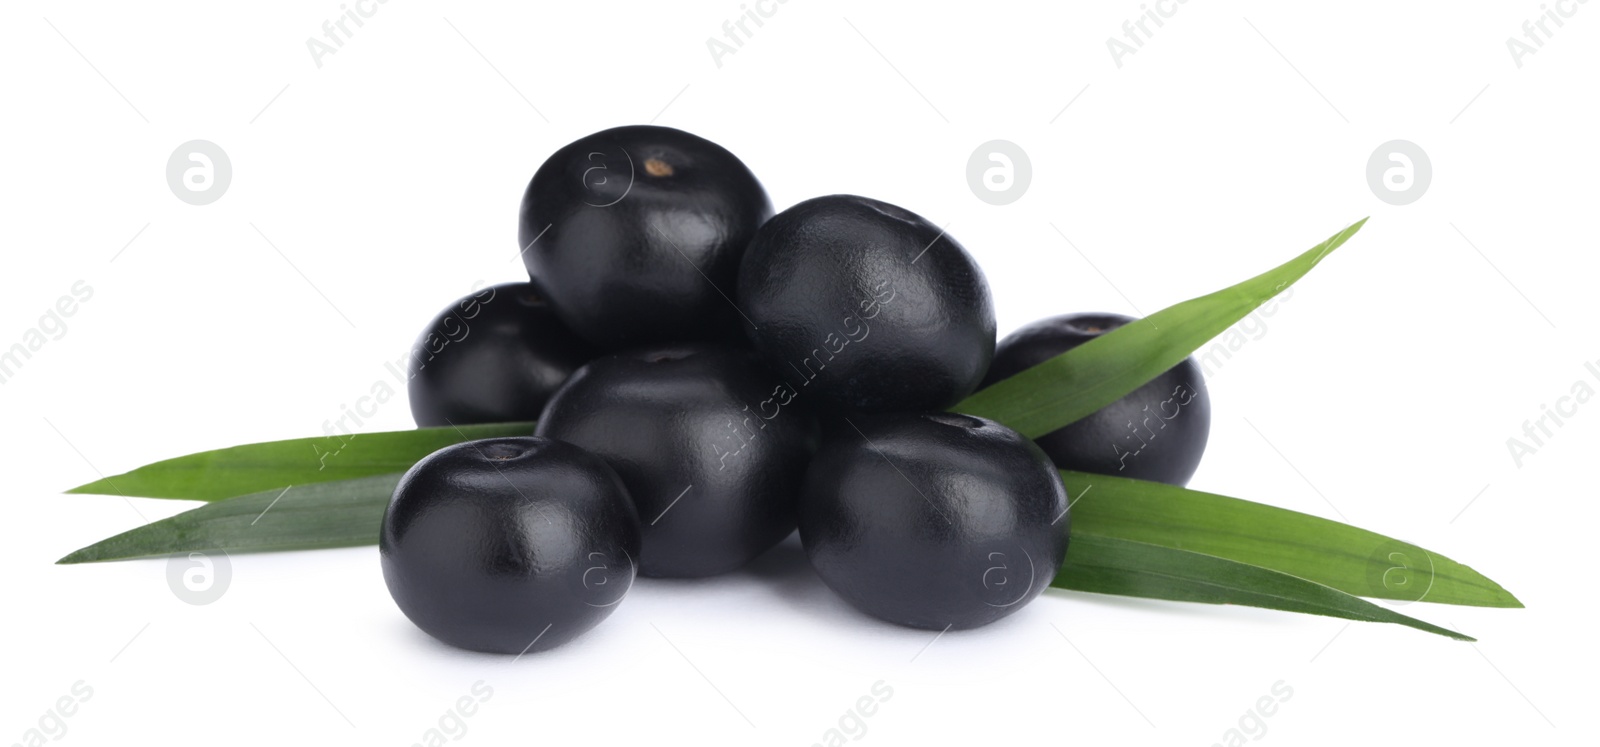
x: 387, y: 182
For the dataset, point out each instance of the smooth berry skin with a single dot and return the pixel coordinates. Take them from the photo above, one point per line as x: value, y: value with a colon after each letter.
x: 494, y: 356
x: 637, y: 233
x: 936, y: 521
x: 509, y: 545
x: 867, y: 305
x: 710, y: 444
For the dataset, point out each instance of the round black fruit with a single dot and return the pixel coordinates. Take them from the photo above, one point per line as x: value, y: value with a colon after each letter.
x: 1157, y: 432
x: 509, y: 545
x: 495, y: 356
x: 634, y: 230
x: 867, y: 304
x: 935, y: 520
x: 711, y: 446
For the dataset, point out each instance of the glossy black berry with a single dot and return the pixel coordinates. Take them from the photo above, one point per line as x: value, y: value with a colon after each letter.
x: 495, y: 356
x: 934, y: 520
x: 868, y: 305
x: 636, y: 232
x: 1157, y: 432
x: 710, y: 444
x: 509, y: 545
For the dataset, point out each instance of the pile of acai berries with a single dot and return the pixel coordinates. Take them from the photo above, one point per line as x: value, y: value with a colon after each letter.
x: 707, y: 377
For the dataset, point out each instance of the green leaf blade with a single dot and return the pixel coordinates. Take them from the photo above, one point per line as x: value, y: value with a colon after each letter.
x: 1327, y: 552
x: 1097, y: 373
x: 343, y: 513
x: 275, y: 465
x: 1108, y: 565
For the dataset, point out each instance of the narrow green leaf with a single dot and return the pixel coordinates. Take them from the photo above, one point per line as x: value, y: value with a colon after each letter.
x: 1103, y: 370
x: 304, y: 517
x: 1107, y: 565
x: 273, y: 466
x: 1338, y: 555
